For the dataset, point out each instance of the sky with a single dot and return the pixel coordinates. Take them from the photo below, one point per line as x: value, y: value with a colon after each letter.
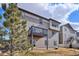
x: 74, y: 16
x: 1, y: 13
x: 1, y: 22
x: 63, y: 12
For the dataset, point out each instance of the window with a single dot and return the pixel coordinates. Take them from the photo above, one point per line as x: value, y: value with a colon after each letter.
x: 46, y: 42
x: 54, y: 25
x: 40, y: 21
x: 53, y: 33
x: 55, y: 43
x: 45, y: 32
x: 77, y: 41
x: 34, y: 41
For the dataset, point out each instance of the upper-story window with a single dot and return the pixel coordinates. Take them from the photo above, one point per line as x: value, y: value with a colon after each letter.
x: 77, y: 41
x: 77, y: 34
x: 55, y: 43
x: 40, y: 21
x: 54, y: 25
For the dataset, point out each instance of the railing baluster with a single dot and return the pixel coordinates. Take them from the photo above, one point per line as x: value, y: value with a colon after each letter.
x: 38, y: 30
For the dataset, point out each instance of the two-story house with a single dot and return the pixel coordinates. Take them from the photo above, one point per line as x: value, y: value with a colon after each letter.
x: 43, y: 32
x: 67, y: 35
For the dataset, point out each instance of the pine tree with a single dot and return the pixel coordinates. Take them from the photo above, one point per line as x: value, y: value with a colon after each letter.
x: 0, y: 17
x: 18, y: 29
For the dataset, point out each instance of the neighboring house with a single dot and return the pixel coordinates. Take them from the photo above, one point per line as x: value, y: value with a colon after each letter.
x: 76, y: 43
x: 77, y: 35
x: 67, y: 35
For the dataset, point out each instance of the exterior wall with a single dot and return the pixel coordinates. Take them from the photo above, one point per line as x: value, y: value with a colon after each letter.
x: 76, y: 42
x: 54, y: 25
x: 66, y: 36
x: 35, y: 21
x: 41, y: 42
x: 67, y: 33
x: 52, y: 39
x: 78, y: 38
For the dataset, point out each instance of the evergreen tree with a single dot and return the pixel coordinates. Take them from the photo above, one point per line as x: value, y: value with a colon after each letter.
x: 18, y: 29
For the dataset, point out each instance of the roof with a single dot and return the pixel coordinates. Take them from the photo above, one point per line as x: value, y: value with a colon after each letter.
x: 35, y: 8
x: 55, y: 20
x: 69, y: 26
x: 32, y: 13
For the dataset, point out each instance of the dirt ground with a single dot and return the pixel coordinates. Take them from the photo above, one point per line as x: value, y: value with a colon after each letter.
x: 54, y: 52
x: 49, y: 52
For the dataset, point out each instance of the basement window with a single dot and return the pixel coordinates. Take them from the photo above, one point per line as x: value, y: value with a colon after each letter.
x: 55, y: 43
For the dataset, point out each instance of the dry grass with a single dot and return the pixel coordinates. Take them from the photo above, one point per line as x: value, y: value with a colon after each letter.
x: 49, y: 52
x: 54, y: 52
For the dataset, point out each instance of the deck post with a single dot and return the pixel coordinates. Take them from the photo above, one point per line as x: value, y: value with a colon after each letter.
x: 47, y: 39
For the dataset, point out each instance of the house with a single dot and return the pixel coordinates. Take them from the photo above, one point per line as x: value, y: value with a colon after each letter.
x: 67, y: 35
x: 76, y: 43
x: 37, y: 27
x: 43, y: 32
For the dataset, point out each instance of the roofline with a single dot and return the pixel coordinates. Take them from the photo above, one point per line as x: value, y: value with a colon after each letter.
x: 70, y: 26
x: 55, y: 20
x: 32, y: 13
x: 38, y: 15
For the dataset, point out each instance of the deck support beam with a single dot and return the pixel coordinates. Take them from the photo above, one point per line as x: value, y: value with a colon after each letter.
x: 47, y: 40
